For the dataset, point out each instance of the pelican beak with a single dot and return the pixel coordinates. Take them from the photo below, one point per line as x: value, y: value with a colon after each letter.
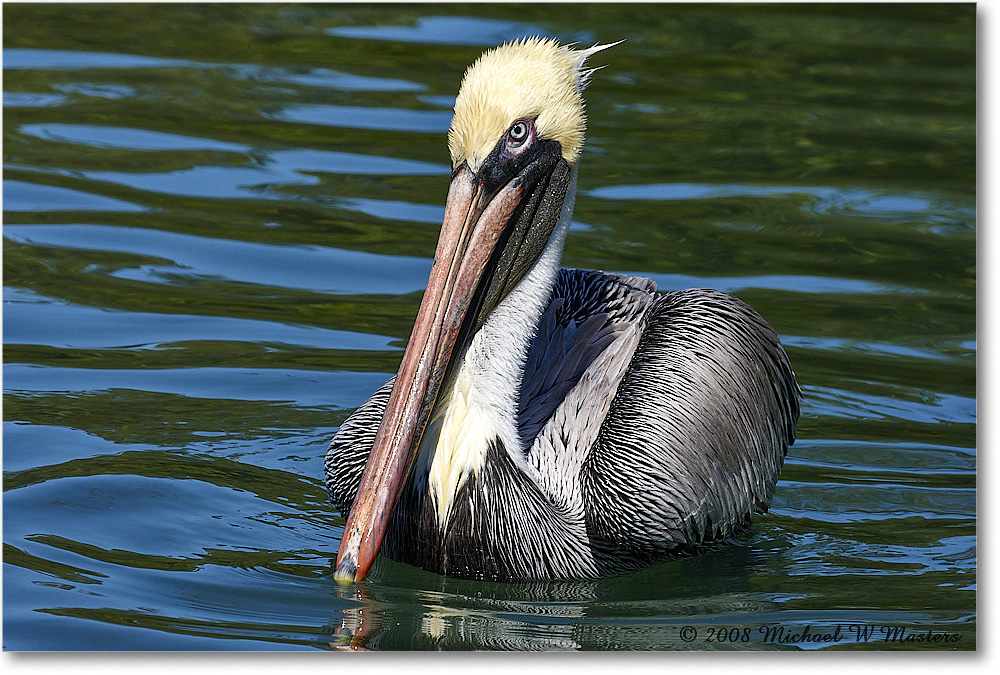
x: 494, y: 228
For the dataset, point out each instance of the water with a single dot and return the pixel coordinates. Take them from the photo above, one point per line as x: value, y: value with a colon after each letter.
x: 217, y: 224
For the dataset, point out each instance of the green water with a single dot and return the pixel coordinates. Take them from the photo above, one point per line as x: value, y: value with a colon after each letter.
x: 218, y: 220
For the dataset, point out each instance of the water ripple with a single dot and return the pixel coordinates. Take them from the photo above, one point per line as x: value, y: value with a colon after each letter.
x: 55, y: 59
x: 125, y: 138
x: 35, y: 319
x: 825, y: 200
x: 24, y: 99
x: 21, y: 196
x: 356, y: 117
x: 783, y: 282
x: 932, y: 407
x: 444, y: 30
x: 313, y: 268
x: 302, y: 387
x: 280, y: 168
x: 50, y: 59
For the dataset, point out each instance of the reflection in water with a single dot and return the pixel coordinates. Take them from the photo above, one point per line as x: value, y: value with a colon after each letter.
x: 26, y: 197
x: 643, y: 610
x: 56, y: 59
x: 270, y: 178
x: 826, y: 201
x: 354, y: 117
x: 119, y: 137
x: 314, y: 268
x: 357, y: 623
x: 444, y: 30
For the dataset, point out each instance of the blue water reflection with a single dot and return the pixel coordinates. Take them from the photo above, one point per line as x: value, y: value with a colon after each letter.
x: 22, y: 196
x: 353, y: 117
x: 280, y: 168
x: 130, y: 139
x: 313, y: 268
x: 448, y: 30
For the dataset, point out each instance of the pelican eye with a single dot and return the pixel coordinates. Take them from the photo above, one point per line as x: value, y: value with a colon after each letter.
x: 520, y: 132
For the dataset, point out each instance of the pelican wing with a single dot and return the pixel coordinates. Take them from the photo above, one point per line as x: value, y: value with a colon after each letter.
x: 697, y: 433
x: 588, y: 313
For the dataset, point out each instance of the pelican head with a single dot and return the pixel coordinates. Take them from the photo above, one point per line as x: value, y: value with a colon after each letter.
x: 534, y: 79
x: 515, y: 138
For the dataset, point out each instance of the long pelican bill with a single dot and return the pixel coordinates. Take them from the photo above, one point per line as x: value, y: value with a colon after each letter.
x: 476, y: 261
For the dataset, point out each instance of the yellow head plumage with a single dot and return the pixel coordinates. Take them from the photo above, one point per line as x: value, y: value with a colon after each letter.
x: 533, y: 78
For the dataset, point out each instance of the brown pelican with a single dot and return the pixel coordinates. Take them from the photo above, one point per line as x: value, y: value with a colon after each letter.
x: 549, y: 423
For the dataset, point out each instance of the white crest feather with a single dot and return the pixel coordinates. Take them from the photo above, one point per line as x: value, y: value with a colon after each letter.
x: 580, y: 57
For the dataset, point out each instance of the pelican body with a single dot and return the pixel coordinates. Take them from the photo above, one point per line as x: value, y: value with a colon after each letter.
x: 548, y: 423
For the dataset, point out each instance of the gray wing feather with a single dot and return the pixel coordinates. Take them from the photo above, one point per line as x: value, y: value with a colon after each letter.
x: 348, y: 452
x: 587, y: 313
x: 697, y: 433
